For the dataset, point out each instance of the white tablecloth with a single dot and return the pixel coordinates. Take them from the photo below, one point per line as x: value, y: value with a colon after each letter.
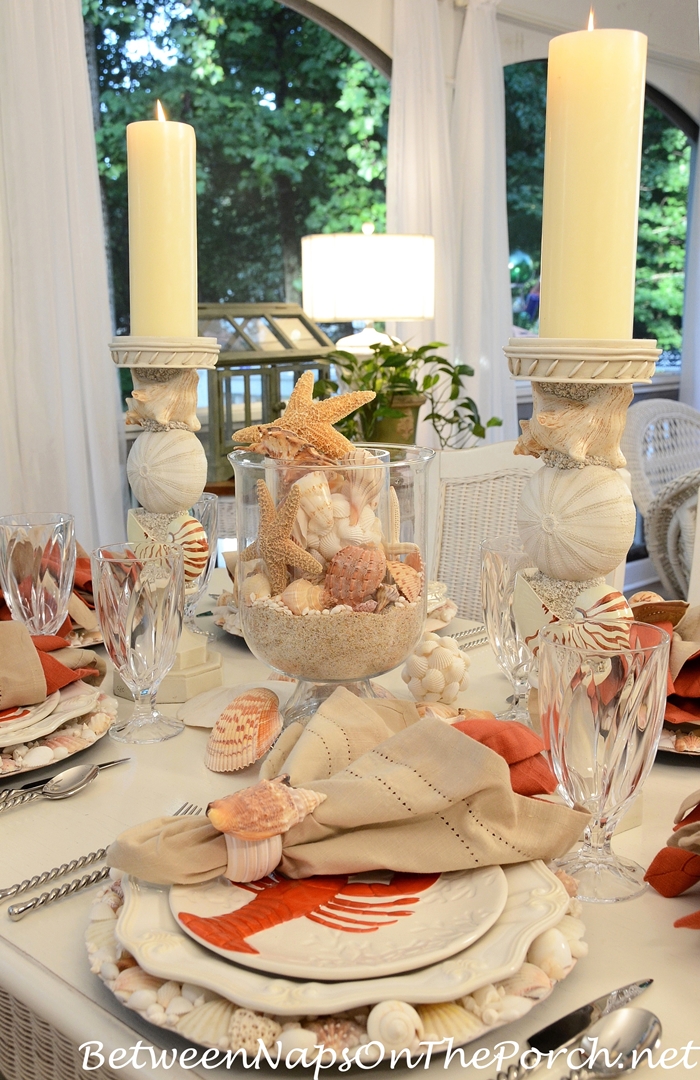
x: 43, y: 960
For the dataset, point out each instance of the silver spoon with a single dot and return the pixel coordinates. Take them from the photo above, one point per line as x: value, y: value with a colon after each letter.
x: 625, y: 1034
x: 67, y: 783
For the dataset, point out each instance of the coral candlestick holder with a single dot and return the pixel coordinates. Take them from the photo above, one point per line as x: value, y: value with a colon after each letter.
x: 167, y: 470
x: 576, y: 516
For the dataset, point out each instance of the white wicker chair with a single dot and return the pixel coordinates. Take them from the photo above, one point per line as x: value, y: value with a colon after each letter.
x: 661, y: 442
x: 671, y: 534
x: 472, y: 494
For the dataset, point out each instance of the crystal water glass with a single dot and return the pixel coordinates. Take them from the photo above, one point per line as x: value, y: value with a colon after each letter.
x: 206, y: 511
x: 502, y: 557
x: 602, y: 693
x: 139, y: 603
x: 37, y: 568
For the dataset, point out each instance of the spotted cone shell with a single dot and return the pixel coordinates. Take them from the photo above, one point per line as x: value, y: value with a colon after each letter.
x: 354, y: 574
x: 270, y: 808
x: 190, y: 535
x: 245, y: 731
x: 407, y: 579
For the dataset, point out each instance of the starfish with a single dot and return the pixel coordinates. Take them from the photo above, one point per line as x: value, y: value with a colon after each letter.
x: 313, y: 420
x: 274, y: 543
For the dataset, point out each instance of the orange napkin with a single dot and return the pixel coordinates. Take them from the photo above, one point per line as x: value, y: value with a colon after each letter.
x: 82, y: 589
x: 29, y: 672
x: 522, y: 749
x: 676, y: 868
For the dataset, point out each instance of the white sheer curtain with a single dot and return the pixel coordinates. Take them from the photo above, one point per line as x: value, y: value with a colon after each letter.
x: 59, y: 412
x: 451, y: 181
x: 482, y: 284
x: 419, y: 181
x: 690, y: 367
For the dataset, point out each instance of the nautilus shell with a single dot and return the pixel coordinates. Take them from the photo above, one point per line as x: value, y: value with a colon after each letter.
x: 576, y: 524
x: 167, y: 470
x: 190, y: 535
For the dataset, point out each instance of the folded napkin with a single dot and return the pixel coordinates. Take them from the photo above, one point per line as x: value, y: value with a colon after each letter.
x: 683, y: 690
x: 401, y: 793
x: 32, y: 668
x: 81, y: 607
x: 677, y: 866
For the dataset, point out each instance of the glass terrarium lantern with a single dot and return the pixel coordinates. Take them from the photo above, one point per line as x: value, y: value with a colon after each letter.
x: 331, y: 583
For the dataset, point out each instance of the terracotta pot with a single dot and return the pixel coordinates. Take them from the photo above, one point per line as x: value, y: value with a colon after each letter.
x: 400, y: 429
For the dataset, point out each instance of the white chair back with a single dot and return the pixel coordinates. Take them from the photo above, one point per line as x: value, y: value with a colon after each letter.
x: 472, y: 494
x: 661, y: 443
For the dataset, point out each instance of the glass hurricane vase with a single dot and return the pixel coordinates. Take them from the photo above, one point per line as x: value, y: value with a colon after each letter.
x: 602, y: 692
x: 139, y: 599
x: 331, y: 582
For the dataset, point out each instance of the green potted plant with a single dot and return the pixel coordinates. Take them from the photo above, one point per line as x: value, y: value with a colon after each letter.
x: 404, y: 380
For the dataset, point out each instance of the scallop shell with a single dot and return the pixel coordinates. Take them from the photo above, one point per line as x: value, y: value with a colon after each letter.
x: 167, y: 470
x: 257, y: 585
x: 407, y: 579
x: 416, y: 666
x: 315, y: 501
x: 245, y: 730
x: 354, y: 574
x: 208, y: 1024
x: 301, y: 596
x: 133, y: 979
x: 267, y: 809
x: 71, y: 743
x: 550, y: 951
x: 529, y: 982
x: 99, y: 935
x: 251, y: 860
x: 448, y: 1020
x: 396, y: 1025
x: 363, y: 486
x: 437, y: 710
x: 189, y: 534
x: 338, y: 1034
x: 576, y: 524
x: 247, y: 1027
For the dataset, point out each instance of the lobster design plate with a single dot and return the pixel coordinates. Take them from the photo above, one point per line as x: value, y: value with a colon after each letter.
x: 339, y: 927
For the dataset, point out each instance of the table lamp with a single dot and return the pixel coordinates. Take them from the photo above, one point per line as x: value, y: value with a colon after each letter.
x: 365, y: 277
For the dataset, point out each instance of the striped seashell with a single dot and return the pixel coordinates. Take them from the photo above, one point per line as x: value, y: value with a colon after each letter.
x: 385, y: 595
x: 247, y: 1027
x: 270, y: 808
x: 602, y: 602
x: 315, y: 501
x: 354, y: 574
x: 338, y: 1033
x: 208, y: 1024
x: 529, y: 982
x: 448, y: 1020
x: 149, y: 549
x: 71, y: 743
x: 396, y: 1025
x: 190, y: 535
x: 301, y: 596
x: 167, y: 470
x: 252, y: 860
x: 576, y: 524
x: 597, y: 636
x: 245, y: 730
x: 408, y: 580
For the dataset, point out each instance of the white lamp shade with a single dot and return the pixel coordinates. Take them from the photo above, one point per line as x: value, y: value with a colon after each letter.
x: 350, y: 276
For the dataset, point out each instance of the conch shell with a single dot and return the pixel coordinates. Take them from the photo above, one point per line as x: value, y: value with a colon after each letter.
x: 245, y: 731
x: 270, y: 808
x: 301, y: 596
x: 354, y: 574
x: 581, y: 429
x: 164, y: 398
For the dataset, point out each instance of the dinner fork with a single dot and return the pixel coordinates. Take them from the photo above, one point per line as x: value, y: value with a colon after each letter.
x: 69, y: 888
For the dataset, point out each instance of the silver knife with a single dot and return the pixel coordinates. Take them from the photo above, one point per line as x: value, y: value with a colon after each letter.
x: 566, y: 1030
x: 9, y: 793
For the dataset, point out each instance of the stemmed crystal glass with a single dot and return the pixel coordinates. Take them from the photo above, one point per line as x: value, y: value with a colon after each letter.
x: 37, y: 568
x: 206, y: 511
x: 139, y: 602
x: 502, y: 557
x: 602, y: 692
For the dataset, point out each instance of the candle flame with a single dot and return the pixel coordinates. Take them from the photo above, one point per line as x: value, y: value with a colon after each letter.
x: 591, y: 22
x: 160, y: 111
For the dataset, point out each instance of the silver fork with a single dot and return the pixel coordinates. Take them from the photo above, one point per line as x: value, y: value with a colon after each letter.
x: 18, y: 911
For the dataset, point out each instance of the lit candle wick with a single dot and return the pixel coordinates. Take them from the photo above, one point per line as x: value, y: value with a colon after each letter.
x: 591, y: 23
x: 160, y: 111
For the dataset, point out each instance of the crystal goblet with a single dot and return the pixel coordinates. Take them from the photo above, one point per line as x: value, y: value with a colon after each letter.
x: 37, y: 568
x: 602, y: 692
x: 206, y: 511
x: 139, y: 601
x: 502, y: 557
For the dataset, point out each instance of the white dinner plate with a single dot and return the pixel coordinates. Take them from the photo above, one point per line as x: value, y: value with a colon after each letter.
x: 147, y: 929
x: 339, y: 927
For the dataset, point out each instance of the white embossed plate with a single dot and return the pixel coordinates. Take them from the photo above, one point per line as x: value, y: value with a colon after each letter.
x: 339, y: 927
x: 147, y: 929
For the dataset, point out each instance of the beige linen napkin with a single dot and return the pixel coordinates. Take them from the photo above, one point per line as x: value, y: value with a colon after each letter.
x: 402, y: 793
x: 22, y: 679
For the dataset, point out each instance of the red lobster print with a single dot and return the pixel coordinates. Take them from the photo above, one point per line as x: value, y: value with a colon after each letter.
x: 325, y: 900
